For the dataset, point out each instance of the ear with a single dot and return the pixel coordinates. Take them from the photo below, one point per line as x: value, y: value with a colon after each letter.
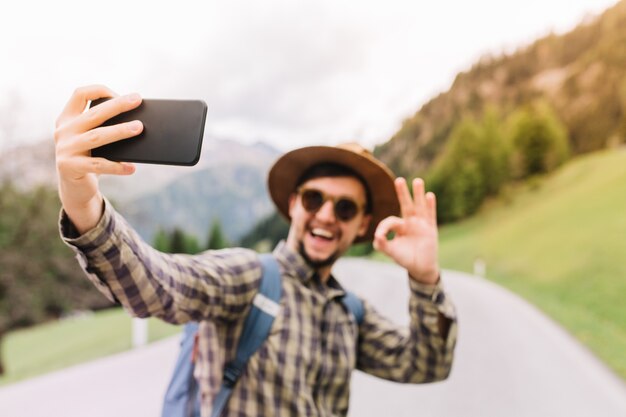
x: 365, y: 225
x: 292, y: 204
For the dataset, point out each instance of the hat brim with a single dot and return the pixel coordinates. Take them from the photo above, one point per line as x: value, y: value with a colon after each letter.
x: 285, y: 173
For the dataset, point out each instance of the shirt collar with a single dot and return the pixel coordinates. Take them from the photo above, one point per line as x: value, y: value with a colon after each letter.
x: 294, y: 265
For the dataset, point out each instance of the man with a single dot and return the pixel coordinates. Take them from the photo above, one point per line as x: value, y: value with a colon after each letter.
x: 334, y: 196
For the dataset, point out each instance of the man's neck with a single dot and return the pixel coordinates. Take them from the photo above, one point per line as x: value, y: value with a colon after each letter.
x: 324, y: 274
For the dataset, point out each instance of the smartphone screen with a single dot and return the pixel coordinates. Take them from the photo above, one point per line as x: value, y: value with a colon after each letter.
x: 172, y: 133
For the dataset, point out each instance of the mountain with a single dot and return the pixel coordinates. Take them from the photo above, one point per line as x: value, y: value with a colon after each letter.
x: 228, y: 184
x: 581, y: 74
x: 28, y: 166
x: 148, y: 178
x: 231, y: 188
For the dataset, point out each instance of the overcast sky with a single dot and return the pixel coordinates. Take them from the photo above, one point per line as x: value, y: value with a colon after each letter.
x: 290, y: 73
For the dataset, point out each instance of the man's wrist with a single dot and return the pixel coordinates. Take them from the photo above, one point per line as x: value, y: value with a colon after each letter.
x: 426, y: 291
x: 426, y: 278
x: 86, y: 217
x: 96, y: 237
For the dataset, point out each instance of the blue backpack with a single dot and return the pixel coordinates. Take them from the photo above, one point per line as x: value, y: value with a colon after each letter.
x: 182, y: 398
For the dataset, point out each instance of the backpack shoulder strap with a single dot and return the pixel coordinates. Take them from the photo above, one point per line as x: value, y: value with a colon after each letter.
x: 256, y: 328
x: 354, y: 305
x: 182, y: 397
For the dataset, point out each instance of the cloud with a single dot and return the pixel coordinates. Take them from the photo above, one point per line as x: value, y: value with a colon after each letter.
x: 292, y: 73
x: 286, y: 71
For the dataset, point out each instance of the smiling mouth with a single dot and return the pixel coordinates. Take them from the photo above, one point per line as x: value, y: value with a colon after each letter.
x: 322, y: 233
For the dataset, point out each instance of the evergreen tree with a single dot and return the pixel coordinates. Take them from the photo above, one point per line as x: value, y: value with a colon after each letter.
x: 192, y: 245
x: 216, y: 239
x: 162, y: 241
x: 178, y: 241
x: 267, y: 233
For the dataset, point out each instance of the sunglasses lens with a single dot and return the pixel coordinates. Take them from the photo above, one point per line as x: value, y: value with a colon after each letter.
x: 345, y: 209
x: 312, y: 200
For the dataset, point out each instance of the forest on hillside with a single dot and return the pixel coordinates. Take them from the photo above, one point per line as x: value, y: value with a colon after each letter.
x: 510, y: 118
x: 579, y: 75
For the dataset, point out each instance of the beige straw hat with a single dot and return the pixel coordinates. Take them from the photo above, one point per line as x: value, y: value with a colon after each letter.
x: 287, y: 170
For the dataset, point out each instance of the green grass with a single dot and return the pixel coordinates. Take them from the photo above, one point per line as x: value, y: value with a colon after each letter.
x: 56, y: 345
x: 561, y: 244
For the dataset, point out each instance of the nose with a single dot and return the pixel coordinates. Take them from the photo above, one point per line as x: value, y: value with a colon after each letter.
x: 326, y: 213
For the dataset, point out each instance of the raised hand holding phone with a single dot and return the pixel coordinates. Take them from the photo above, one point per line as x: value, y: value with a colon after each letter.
x: 77, y: 132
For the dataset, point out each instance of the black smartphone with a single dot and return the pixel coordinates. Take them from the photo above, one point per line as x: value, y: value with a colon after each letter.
x: 172, y: 133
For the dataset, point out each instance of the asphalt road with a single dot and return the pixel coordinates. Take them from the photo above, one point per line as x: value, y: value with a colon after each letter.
x: 511, y: 361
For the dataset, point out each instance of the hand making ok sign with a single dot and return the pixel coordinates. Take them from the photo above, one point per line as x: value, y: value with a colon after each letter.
x: 415, y: 244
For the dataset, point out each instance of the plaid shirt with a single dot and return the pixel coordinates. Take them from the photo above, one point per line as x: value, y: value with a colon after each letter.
x: 304, y: 367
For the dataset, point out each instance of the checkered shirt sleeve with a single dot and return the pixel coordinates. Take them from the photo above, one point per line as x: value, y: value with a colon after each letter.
x: 174, y: 287
x: 417, y: 354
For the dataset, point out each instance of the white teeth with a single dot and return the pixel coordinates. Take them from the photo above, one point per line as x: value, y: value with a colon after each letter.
x: 322, y: 233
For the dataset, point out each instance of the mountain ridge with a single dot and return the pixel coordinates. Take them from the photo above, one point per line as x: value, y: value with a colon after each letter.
x: 229, y: 173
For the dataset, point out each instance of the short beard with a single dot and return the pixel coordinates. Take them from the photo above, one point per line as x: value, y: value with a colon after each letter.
x: 317, y: 264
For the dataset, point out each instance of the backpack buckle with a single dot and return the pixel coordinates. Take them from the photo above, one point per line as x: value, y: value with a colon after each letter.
x: 231, y: 375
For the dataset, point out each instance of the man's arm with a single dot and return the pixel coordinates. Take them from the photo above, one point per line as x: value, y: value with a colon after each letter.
x: 425, y: 352
x: 176, y: 288
x: 418, y: 354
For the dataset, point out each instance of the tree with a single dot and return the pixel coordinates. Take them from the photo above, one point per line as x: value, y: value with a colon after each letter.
x: 267, y: 232
x: 39, y: 278
x: 176, y: 241
x: 180, y: 242
x: 360, y: 249
x: 494, y: 153
x: 459, y: 190
x: 216, y: 239
x: 474, y: 165
x: 162, y: 241
x: 539, y: 140
x: 456, y: 178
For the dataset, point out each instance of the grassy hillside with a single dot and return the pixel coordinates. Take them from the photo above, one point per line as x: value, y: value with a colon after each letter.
x: 559, y: 242
x: 56, y: 345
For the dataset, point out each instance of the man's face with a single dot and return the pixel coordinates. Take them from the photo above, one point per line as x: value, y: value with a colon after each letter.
x: 319, y: 236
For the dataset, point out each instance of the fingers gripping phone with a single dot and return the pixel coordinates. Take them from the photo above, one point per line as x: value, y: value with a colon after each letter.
x: 172, y: 133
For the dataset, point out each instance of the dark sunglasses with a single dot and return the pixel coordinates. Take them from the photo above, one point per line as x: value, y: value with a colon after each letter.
x: 312, y: 200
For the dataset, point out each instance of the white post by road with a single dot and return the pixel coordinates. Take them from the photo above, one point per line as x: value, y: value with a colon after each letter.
x: 140, y: 332
x: 480, y: 268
